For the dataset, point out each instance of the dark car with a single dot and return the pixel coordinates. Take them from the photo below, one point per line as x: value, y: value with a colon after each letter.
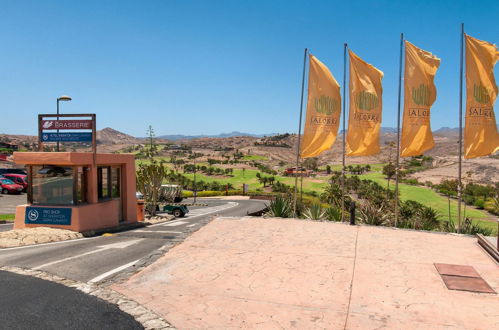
x: 19, y: 179
x: 9, y: 187
x: 12, y: 171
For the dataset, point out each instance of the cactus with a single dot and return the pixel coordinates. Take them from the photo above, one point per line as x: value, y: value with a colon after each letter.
x: 422, y: 95
x: 366, y: 101
x: 325, y: 105
x: 481, y: 94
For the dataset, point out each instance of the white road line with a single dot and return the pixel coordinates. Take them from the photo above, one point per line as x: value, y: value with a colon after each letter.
x: 194, y: 224
x: 158, y: 231
x: 112, y: 271
x: 174, y: 224
x: 119, y: 245
x: 44, y: 244
x: 6, y: 224
x: 68, y: 258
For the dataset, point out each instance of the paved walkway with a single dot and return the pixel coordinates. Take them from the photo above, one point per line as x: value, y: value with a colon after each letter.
x: 275, y: 273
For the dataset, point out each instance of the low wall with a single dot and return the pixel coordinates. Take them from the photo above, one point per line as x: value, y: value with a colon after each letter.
x: 83, y: 218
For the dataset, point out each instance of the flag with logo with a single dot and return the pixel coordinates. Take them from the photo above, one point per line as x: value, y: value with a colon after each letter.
x: 323, y: 110
x: 364, y: 120
x: 419, y: 95
x: 480, y: 133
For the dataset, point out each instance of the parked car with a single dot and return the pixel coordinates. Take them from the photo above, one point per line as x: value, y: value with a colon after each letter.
x: 19, y: 179
x: 9, y: 187
x: 13, y: 171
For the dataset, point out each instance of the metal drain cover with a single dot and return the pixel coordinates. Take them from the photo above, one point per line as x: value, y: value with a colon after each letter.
x: 463, y: 278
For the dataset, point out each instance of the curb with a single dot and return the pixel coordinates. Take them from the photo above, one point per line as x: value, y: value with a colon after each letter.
x: 149, y: 319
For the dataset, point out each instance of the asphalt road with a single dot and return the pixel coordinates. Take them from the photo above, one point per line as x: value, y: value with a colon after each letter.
x: 31, y: 303
x: 102, y: 258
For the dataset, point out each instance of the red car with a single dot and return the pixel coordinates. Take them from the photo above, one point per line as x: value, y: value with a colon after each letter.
x: 19, y: 179
x: 9, y: 187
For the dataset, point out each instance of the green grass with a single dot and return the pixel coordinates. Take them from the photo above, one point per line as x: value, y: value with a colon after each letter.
x: 8, y: 217
x: 237, y: 180
x: 420, y: 194
x: 431, y: 198
x: 254, y: 157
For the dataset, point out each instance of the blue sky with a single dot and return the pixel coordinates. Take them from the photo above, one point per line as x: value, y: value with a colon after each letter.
x: 206, y: 67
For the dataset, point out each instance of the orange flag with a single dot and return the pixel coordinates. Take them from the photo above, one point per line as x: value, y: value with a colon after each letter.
x: 419, y: 95
x: 364, y: 119
x: 323, y: 110
x: 480, y: 131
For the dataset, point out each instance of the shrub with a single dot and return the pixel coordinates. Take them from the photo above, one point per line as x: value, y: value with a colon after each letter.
x: 314, y: 212
x: 468, y: 227
x: 480, y: 203
x: 372, y: 215
x: 281, y: 207
x: 332, y: 214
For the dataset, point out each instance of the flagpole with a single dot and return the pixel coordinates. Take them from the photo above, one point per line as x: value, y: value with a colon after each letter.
x: 459, y: 189
x: 299, y: 130
x: 397, y: 164
x: 345, y: 47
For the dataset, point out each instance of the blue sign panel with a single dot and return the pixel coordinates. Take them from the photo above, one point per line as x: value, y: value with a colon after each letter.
x: 66, y: 137
x: 48, y: 215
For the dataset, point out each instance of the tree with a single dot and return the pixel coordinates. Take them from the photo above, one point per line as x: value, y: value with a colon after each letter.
x: 149, y: 180
x: 389, y: 171
x: 311, y: 163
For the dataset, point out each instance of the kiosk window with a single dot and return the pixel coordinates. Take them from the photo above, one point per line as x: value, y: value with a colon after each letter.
x: 104, y: 182
x: 115, y: 182
x: 52, y: 185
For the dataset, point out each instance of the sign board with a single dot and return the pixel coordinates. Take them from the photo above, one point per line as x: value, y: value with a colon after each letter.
x: 67, y: 137
x: 66, y: 124
x: 48, y: 215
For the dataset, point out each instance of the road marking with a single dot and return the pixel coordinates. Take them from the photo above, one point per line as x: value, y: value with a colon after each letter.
x: 175, y: 224
x: 112, y: 271
x: 6, y: 224
x: 158, y: 231
x: 68, y: 258
x: 44, y: 244
x: 194, y: 224
x: 120, y: 245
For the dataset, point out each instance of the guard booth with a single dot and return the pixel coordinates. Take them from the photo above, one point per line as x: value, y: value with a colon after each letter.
x: 79, y: 191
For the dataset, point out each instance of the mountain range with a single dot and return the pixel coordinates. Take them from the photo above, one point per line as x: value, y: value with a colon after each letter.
x: 175, y: 137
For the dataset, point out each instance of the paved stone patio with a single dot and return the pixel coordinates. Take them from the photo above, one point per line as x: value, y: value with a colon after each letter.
x: 285, y: 273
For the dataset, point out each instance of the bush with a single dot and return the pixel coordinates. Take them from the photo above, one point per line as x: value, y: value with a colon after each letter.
x: 417, y: 216
x: 280, y: 207
x: 480, y: 203
x: 314, y: 212
x: 371, y: 214
x: 468, y: 228
x: 332, y: 214
x: 411, y: 181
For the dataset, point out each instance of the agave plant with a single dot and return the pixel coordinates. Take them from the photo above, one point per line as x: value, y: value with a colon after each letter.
x: 333, y: 214
x: 372, y: 215
x: 280, y: 207
x: 314, y: 212
x: 429, y: 218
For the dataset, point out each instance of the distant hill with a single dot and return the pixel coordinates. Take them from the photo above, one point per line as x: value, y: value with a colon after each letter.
x: 222, y: 135
x: 109, y: 135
